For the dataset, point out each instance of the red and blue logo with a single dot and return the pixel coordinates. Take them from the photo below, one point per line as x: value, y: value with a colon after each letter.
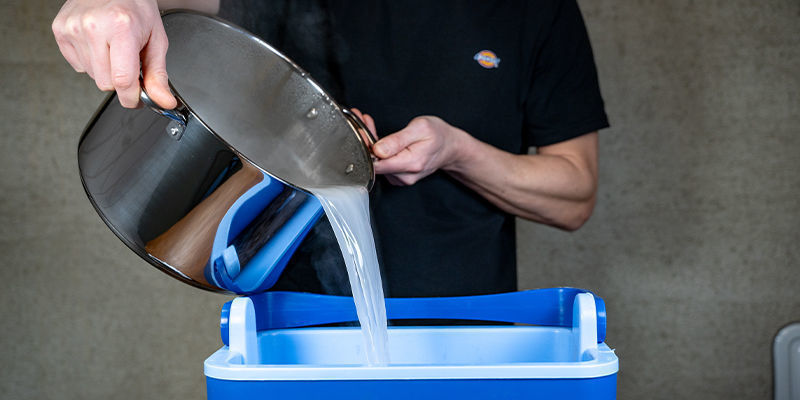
x: 487, y: 59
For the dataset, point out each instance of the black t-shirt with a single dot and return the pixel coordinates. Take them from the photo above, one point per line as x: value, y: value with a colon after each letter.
x: 513, y: 74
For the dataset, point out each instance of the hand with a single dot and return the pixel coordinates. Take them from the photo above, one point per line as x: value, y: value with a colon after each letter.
x: 106, y: 38
x: 424, y: 146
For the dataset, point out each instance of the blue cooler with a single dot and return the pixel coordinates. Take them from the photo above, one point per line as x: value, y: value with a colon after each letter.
x: 272, y: 351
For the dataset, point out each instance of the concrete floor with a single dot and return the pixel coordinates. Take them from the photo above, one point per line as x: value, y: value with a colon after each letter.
x: 694, y: 242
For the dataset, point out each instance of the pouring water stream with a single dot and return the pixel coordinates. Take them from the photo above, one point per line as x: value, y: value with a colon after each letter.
x: 347, y: 208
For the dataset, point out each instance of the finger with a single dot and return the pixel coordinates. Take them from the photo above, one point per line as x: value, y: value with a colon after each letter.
x: 124, y: 59
x: 154, y: 69
x: 69, y: 53
x: 395, y: 143
x: 96, y: 49
x: 403, y: 162
x: 368, y: 121
x: 368, y: 137
x: 84, y: 55
x: 371, y: 125
x: 69, y: 29
x: 101, y: 67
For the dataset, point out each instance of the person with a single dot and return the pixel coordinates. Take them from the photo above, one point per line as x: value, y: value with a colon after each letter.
x: 457, y: 92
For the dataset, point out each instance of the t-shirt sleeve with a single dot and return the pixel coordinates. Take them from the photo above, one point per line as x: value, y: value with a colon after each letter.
x: 564, y: 99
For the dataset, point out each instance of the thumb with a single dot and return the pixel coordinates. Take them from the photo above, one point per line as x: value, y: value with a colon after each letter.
x: 154, y: 69
x: 392, y: 144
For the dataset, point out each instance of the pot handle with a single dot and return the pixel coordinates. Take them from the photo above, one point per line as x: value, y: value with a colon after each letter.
x: 359, y: 124
x: 179, y: 114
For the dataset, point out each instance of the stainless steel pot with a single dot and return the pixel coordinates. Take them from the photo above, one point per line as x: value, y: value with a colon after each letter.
x: 214, y: 192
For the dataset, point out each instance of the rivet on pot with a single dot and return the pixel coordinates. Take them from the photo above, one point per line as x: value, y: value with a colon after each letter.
x: 175, y: 130
x: 312, y: 113
x: 349, y: 169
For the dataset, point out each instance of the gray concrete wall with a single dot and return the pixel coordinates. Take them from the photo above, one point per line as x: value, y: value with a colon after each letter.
x: 695, y: 238
x: 694, y: 242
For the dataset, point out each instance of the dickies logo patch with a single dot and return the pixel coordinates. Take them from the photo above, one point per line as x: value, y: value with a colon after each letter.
x: 487, y: 59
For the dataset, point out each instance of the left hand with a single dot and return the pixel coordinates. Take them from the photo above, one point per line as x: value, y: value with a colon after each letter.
x: 425, y: 145
x: 556, y: 186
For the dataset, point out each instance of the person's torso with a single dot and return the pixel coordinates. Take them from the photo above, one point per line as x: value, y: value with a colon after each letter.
x: 469, y: 63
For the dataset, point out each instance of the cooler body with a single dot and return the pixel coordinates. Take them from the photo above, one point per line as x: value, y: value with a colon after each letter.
x: 564, y: 358
x: 603, y: 388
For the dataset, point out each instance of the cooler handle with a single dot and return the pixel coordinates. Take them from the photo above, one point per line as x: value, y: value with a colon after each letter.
x: 550, y: 307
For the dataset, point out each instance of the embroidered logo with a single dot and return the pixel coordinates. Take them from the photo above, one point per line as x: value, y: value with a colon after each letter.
x: 487, y: 59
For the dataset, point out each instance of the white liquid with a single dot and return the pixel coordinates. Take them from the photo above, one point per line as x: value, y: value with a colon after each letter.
x: 347, y: 209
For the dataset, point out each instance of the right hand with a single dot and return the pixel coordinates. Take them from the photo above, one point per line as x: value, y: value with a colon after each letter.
x: 106, y: 38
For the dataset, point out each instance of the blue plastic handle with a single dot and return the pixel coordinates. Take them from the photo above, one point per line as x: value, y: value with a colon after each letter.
x: 224, y: 321
x: 264, y: 268
x: 550, y: 307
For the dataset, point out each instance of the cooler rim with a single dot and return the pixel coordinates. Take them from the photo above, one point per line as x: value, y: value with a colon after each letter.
x: 227, y: 365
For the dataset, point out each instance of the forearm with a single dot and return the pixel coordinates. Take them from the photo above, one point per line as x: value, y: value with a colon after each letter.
x: 554, y: 187
x: 205, y: 6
